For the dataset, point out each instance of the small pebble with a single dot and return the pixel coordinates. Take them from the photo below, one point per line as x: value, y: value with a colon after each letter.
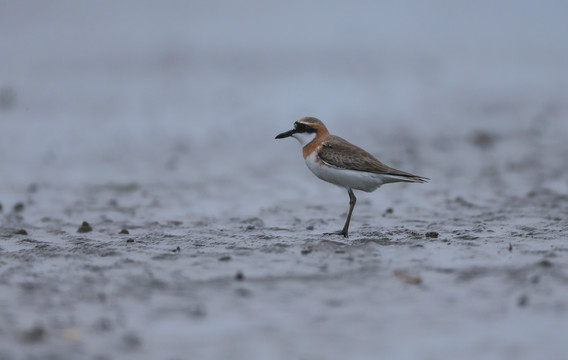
x: 21, y: 232
x: 239, y: 276
x: 124, y: 231
x: 131, y: 340
x: 306, y: 250
x: 84, y: 228
x: 523, y: 301
x: 432, y: 234
x: 407, y: 278
x: 33, y: 335
x: 225, y: 258
x: 483, y: 139
x: 18, y: 207
x: 309, y: 227
x: 545, y: 263
x: 130, y: 240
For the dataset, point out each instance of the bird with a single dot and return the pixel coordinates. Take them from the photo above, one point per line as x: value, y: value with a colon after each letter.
x: 337, y: 161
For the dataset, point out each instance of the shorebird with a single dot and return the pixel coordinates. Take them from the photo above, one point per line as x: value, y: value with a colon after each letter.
x: 339, y: 162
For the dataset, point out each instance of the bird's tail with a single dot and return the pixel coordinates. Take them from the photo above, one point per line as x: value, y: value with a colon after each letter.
x: 391, y: 178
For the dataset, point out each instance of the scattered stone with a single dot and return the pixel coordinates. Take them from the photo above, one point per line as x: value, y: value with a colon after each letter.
x: 545, y: 263
x: 1, y: 207
x: 84, y: 228
x: 483, y: 139
x: 175, y: 222
x: 256, y: 222
x: 225, y: 258
x: 388, y: 211
x: 131, y: 340
x: 19, y: 207
x: 243, y: 292
x: 250, y: 227
x: 407, y: 278
x: 239, y: 276
x: 20, y: 232
x: 523, y: 300
x: 309, y: 227
x: 33, y: 335
x: 123, y: 231
x: 432, y: 234
x: 130, y: 240
x: 306, y: 250
x: 463, y: 202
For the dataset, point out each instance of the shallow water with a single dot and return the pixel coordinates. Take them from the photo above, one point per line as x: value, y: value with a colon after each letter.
x: 162, y: 124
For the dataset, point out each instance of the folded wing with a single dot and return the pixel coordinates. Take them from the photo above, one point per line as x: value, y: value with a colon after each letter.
x: 340, y: 153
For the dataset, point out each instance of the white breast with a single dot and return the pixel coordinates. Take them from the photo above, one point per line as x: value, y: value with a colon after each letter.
x: 304, y: 138
x: 357, y: 180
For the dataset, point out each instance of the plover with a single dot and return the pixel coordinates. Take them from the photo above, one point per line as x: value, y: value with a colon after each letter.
x: 339, y: 162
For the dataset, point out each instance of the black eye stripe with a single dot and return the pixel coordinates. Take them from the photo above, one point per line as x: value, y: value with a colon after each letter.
x: 303, y: 128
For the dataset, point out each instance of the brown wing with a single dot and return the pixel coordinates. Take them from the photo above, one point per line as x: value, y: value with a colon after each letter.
x: 342, y: 154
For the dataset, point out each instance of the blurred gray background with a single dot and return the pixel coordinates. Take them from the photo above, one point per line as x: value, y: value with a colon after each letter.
x: 182, y: 91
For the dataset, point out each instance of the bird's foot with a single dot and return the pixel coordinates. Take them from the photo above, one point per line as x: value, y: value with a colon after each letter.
x: 342, y: 233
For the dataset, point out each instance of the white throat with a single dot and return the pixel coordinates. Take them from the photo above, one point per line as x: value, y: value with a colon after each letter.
x: 304, y: 138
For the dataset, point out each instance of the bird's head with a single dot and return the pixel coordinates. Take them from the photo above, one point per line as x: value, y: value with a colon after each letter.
x: 305, y: 130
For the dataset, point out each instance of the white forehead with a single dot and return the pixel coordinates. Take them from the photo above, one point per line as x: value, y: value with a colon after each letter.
x: 304, y: 138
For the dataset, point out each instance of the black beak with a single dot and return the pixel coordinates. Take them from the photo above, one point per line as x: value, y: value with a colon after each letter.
x: 286, y: 134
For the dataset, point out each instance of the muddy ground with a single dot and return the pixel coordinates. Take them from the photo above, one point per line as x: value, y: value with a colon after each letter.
x: 481, y: 279
x: 204, y: 236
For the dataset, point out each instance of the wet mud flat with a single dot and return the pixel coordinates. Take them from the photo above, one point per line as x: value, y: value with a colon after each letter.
x: 146, y: 277
x: 165, y: 222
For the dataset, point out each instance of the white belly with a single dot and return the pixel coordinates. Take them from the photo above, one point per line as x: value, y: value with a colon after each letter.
x: 357, y: 180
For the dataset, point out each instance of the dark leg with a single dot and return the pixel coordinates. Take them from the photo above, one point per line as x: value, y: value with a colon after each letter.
x: 352, y: 201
